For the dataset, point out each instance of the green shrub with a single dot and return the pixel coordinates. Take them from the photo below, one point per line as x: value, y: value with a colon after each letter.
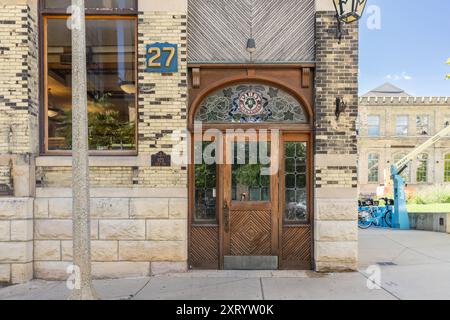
x: 431, y: 195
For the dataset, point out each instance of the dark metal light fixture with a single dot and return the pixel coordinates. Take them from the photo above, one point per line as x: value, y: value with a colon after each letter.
x: 251, y: 45
x: 341, y: 106
x: 348, y: 11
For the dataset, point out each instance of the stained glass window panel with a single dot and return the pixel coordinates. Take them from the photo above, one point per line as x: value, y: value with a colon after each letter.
x: 250, y: 103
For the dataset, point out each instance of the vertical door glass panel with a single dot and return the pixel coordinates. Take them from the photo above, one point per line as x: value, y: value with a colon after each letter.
x: 251, y: 171
x: 205, y: 185
x: 111, y: 84
x: 296, y: 182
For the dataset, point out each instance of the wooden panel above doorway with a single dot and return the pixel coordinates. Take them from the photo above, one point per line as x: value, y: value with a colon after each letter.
x: 296, y: 79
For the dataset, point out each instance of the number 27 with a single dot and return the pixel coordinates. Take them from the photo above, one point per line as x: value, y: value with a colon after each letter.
x: 153, y: 61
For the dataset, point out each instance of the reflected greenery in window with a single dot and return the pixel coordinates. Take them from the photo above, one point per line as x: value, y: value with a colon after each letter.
x: 295, y: 182
x: 205, y: 186
x: 250, y: 179
x: 111, y: 84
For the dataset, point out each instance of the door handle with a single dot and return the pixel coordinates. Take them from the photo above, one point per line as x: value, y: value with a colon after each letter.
x: 226, y: 217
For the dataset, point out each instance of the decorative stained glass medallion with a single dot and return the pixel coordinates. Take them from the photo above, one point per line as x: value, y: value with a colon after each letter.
x: 251, y: 104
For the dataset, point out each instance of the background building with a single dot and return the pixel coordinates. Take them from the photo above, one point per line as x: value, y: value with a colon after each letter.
x: 154, y: 67
x: 391, y: 124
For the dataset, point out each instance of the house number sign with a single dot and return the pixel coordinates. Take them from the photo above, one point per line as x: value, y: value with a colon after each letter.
x: 162, y: 58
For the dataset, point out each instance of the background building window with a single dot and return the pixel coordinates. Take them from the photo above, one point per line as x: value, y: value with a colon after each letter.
x: 401, y: 124
x: 422, y: 125
x: 111, y: 83
x: 406, y: 174
x: 373, y: 166
x: 422, y: 168
x: 447, y: 168
x: 373, y: 126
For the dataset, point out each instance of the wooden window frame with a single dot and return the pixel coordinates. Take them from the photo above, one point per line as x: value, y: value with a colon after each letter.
x: 102, y: 11
x: 44, y: 16
x: 303, y: 138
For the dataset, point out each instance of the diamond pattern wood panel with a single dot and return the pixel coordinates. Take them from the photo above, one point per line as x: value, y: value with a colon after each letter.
x: 250, y: 233
x: 204, y: 247
x: 218, y: 30
x: 296, y: 246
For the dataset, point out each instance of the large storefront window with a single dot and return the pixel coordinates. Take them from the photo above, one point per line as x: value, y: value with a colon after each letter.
x: 92, y: 4
x: 111, y: 83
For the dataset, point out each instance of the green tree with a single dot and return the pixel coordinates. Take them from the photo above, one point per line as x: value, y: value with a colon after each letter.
x: 448, y: 75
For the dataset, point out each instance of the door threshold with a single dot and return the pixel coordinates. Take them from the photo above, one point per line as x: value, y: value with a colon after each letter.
x: 250, y: 263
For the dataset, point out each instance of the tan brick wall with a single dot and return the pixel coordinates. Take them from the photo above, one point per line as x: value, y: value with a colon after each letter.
x: 335, y: 224
x: 18, y: 136
x: 18, y: 79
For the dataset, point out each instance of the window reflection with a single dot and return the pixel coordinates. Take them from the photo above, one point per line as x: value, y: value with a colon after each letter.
x: 250, y: 182
x: 205, y: 185
x: 92, y: 4
x: 111, y: 84
x: 295, y: 182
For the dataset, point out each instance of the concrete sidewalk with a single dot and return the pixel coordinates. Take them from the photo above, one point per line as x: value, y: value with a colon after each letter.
x: 413, y: 264
x: 213, y: 285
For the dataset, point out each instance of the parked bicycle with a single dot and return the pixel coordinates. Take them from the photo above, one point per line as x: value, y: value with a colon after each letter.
x: 370, y: 213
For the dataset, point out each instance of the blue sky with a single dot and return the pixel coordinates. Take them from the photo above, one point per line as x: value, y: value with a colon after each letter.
x: 410, y: 49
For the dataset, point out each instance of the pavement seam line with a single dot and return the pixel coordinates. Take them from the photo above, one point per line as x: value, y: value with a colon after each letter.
x: 131, y: 296
x: 381, y: 286
x: 262, y: 289
x: 418, y: 252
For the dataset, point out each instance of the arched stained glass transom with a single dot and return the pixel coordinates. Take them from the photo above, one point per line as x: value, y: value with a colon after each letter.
x: 251, y: 103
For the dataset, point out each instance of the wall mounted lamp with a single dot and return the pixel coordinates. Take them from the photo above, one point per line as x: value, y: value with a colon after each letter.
x: 348, y: 11
x: 341, y: 106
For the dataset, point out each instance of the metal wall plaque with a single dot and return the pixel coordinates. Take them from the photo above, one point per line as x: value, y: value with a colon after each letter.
x: 161, y: 159
x: 250, y: 262
x: 162, y: 58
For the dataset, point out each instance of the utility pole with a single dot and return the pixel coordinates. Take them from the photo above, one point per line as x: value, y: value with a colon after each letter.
x: 80, y: 164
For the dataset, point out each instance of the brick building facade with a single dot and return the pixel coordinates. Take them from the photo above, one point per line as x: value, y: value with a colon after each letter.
x: 144, y: 213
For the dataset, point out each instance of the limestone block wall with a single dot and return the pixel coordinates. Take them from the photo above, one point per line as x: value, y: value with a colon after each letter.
x: 16, y: 239
x: 132, y: 234
x: 335, y: 229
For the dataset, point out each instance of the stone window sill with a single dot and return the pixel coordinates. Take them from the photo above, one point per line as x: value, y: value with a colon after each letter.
x: 95, y: 161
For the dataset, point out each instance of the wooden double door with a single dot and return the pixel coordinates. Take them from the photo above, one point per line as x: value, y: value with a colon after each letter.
x: 251, y: 208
